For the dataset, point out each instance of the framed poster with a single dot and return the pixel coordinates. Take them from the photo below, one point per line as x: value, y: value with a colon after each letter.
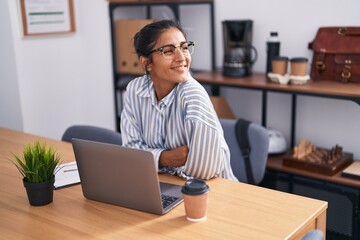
x: 43, y: 17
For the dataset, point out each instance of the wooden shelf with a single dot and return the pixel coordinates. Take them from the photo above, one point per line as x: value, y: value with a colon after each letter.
x: 275, y: 163
x: 260, y: 82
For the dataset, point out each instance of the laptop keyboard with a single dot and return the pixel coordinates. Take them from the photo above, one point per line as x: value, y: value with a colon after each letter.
x: 168, y: 200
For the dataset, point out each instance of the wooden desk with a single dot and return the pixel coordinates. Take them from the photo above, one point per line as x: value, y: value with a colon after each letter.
x: 236, y: 210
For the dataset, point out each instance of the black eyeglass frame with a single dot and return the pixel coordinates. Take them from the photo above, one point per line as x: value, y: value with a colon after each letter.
x: 160, y: 49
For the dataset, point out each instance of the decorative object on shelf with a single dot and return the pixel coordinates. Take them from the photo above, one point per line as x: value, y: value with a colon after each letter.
x: 239, y: 53
x: 320, y: 160
x: 336, y: 54
x: 37, y: 166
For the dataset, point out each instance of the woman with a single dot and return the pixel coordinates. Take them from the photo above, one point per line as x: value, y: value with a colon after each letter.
x: 168, y: 112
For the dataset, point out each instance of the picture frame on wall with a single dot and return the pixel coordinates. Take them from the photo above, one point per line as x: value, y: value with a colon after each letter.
x: 47, y: 17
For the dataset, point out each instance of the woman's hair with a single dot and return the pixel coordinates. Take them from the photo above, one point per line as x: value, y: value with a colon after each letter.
x: 146, y: 38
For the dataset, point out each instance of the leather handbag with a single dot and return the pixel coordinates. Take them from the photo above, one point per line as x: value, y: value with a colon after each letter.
x: 336, y: 54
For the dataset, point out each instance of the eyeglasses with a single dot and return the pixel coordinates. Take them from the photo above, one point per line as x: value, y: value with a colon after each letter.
x: 168, y: 51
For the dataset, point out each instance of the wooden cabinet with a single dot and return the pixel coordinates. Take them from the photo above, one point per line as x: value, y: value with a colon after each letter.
x: 127, y: 17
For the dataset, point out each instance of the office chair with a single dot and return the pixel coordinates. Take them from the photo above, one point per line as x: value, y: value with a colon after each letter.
x: 258, y: 139
x: 313, y: 235
x: 92, y: 133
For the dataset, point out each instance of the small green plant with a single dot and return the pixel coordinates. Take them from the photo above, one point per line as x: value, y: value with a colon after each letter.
x: 38, y: 163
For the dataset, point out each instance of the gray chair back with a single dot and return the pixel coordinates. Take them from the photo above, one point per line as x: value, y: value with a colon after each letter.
x: 259, y: 143
x: 92, y: 133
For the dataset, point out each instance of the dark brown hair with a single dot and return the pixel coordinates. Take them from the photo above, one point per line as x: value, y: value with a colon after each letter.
x: 146, y: 38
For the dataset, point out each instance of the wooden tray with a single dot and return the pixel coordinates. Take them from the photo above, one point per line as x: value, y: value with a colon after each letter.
x: 317, y: 167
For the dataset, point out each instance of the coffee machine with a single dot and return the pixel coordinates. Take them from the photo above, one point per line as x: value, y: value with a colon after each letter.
x: 239, y: 53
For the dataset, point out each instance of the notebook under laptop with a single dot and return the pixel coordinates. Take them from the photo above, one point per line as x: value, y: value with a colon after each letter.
x: 123, y: 176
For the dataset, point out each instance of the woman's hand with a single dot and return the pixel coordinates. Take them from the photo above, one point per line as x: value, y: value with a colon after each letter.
x: 174, y: 158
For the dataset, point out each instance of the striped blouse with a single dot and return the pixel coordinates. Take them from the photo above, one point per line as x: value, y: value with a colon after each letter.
x: 184, y: 117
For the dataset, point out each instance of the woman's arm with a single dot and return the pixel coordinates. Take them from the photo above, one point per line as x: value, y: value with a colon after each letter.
x: 174, y: 158
x: 209, y: 155
x: 130, y: 124
x: 207, y: 151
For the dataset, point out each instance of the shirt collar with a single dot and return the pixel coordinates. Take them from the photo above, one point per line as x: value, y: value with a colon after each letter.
x: 147, y: 90
x: 145, y: 87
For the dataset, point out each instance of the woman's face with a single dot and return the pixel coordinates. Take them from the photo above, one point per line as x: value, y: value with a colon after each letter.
x: 169, y: 72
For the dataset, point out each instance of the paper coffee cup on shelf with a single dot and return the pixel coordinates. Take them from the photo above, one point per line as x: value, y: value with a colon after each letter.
x: 196, y: 193
x: 298, y: 66
x: 279, y: 65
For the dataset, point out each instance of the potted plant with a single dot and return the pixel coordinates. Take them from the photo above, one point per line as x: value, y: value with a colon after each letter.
x: 37, y: 165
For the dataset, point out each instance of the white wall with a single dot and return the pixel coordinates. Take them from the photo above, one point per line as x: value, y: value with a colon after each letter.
x: 53, y: 82
x: 65, y: 79
x: 10, y: 108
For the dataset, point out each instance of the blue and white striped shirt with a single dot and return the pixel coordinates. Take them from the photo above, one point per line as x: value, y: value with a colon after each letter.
x: 184, y: 117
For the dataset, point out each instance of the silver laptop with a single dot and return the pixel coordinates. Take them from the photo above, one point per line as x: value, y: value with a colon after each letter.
x: 123, y: 176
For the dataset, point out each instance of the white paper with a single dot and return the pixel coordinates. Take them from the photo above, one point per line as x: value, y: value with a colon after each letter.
x: 47, y: 16
x: 66, y: 174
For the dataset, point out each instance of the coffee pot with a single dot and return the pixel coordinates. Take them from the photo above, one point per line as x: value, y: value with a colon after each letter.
x: 239, y: 53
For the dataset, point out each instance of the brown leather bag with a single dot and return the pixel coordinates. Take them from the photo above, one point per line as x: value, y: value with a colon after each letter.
x: 336, y: 54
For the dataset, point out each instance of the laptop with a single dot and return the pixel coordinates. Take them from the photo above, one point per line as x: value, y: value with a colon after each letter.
x: 123, y: 176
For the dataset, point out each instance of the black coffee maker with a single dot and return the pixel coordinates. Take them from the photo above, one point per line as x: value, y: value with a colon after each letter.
x: 239, y: 54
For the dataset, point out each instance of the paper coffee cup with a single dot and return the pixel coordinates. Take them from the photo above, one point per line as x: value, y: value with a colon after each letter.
x: 279, y: 65
x: 196, y: 193
x: 298, y: 66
